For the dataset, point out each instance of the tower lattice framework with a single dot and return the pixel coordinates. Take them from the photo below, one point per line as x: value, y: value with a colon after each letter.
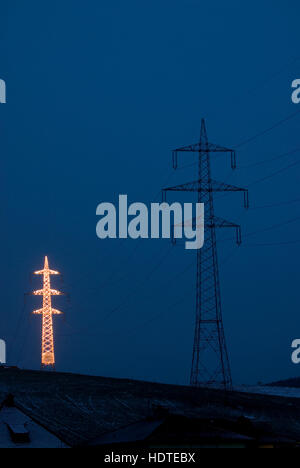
x: 210, y: 362
x: 47, y: 311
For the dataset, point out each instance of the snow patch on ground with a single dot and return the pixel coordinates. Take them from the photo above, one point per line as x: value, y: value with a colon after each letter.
x: 264, y: 390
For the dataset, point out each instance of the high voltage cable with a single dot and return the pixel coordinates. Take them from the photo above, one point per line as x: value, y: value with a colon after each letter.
x: 259, y: 163
x: 269, y: 176
x: 170, y: 280
x: 264, y: 81
x: 268, y: 228
x: 136, y: 247
x: 271, y: 244
x: 165, y: 310
x: 267, y: 130
x: 139, y: 285
x: 272, y: 205
x: 132, y: 292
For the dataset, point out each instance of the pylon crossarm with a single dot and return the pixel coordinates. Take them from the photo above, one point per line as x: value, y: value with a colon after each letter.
x: 212, y: 186
x: 203, y: 148
x: 196, y: 186
x: 212, y: 223
x: 223, y: 223
x: 188, y: 187
x: 39, y: 292
x: 50, y: 272
x: 54, y: 292
x: 215, y: 222
x: 37, y: 311
x: 220, y: 223
x: 223, y: 187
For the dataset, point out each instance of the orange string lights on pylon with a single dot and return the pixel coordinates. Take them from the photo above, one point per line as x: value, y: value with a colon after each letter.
x: 48, y: 356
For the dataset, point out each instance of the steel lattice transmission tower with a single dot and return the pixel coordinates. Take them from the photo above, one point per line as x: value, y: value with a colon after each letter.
x: 210, y: 363
x: 47, y: 311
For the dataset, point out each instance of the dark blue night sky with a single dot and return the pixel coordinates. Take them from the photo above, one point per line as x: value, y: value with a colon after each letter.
x: 98, y: 94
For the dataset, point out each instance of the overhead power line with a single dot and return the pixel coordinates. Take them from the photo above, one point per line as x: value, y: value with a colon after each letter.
x: 273, y: 205
x: 269, y: 176
x: 267, y: 130
x: 259, y: 163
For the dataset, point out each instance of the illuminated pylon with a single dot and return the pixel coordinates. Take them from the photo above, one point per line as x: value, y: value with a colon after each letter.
x: 48, y: 357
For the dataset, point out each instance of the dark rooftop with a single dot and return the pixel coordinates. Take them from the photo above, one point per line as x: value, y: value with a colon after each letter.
x: 79, y: 408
